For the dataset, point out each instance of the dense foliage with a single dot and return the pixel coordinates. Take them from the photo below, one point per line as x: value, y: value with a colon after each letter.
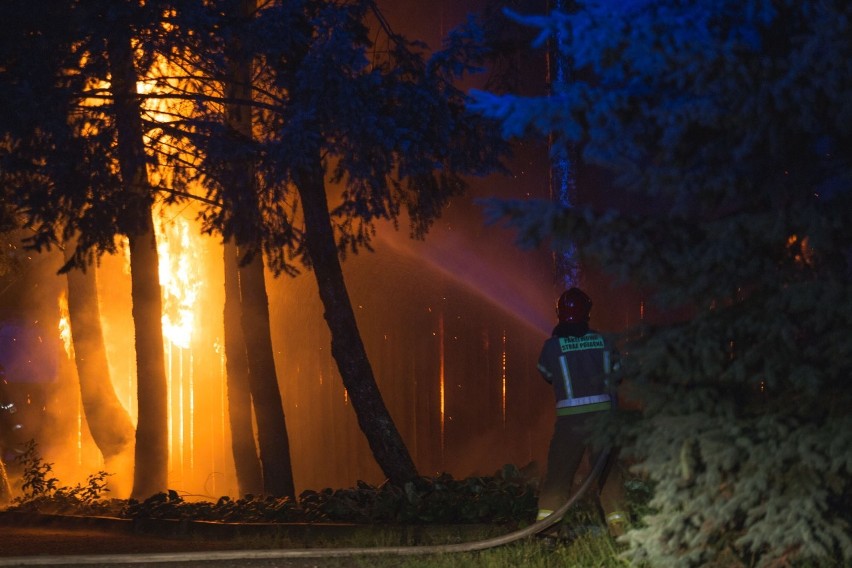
x: 42, y: 491
x: 58, y: 149
x: 508, y: 496
x: 493, y: 499
x: 728, y: 121
x: 386, y: 124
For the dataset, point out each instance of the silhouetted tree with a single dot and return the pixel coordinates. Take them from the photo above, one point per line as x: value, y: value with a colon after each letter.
x: 256, y: 334
x: 731, y: 119
x: 378, y: 132
x: 151, y: 465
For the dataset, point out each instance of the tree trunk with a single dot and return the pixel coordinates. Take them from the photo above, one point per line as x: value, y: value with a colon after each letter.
x: 150, y: 475
x: 243, y: 446
x: 108, y: 420
x: 151, y: 464
x: 263, y: 380
x: 346, y: 345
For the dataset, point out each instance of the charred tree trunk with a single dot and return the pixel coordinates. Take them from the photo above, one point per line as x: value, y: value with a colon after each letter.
x: 108, y: 420
x: 243, y: 446
x: 347, y: 347
x: 150, y: 475
x: 263, y: 379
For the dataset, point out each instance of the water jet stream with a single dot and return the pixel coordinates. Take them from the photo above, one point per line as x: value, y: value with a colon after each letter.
x: 450, y: 256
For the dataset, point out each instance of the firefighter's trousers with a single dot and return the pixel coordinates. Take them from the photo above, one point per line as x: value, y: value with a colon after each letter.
x: 569, y: 444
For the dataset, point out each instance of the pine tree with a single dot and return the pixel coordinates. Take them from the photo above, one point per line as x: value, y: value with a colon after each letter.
x: 730, y: 120
x: 346, y: 136
x: 255, y: 341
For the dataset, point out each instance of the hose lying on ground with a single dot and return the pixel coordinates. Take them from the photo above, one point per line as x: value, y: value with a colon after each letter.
x: 224, y: 555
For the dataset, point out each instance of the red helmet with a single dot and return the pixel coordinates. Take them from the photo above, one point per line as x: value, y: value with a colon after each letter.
x: 573, y: 306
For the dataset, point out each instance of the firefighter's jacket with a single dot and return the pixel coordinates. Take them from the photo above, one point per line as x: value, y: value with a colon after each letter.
x: 582, y: 365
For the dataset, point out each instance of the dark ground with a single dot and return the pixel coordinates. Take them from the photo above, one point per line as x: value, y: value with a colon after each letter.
x: 33, y: 542
x: 41, y: 539
x: 27, y: 541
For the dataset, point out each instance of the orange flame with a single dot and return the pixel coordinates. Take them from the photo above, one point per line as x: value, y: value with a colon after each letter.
x: 179, y: 279
x: 65, y: 326
x: 442, y: 392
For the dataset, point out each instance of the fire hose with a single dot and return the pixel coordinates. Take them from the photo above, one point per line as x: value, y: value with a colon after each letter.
x: 232, y: 555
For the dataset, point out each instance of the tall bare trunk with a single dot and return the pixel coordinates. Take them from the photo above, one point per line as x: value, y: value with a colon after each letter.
x: 108, y: 420
x: 346, y: 345
x: 243, y: 446
x: 150, y: 473
x: 268, y: 407
x: 151, y: 463
x: 263, y: 379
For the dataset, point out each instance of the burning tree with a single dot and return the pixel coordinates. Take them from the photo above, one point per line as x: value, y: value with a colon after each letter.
x: 52, y: 167
x: 44, y: 155
x: 75, y: 164
x: 731, y: 119
x: 298, y: 159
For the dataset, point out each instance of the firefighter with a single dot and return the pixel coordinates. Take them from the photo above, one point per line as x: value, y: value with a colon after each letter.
x: 582, y: 366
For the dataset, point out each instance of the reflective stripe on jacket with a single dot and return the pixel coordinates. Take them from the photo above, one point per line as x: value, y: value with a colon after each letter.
x: 578, y: 369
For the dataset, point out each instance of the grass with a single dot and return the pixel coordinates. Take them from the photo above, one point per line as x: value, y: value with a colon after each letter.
x: 595, y: 549
x: 587, y: 551
x: 533, y: 553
